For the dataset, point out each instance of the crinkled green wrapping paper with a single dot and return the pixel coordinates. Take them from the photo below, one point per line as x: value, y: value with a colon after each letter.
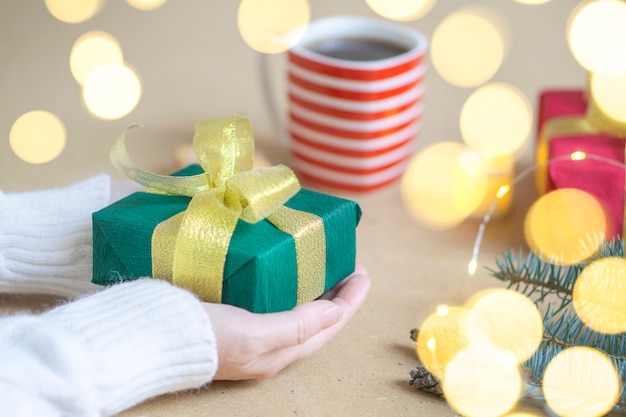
x: 260, y: 272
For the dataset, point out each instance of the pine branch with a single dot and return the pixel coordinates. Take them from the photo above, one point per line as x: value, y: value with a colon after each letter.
x: 534, y: 369
x: 551, y: 287
x: 568, y: 330
x: 537, y: 279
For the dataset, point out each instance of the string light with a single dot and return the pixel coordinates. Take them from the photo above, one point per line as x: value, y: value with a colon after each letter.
x: 502, y: 191
x: 574, y: 156
x: 472, y: 267
x: 431, y: 344
x: 443, y: 310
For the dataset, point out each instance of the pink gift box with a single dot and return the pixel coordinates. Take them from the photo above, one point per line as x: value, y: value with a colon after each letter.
x: 564, y: 127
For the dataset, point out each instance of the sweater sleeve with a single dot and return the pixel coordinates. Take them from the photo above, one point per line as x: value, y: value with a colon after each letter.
x: 103, y: 353
x: 46, y: 238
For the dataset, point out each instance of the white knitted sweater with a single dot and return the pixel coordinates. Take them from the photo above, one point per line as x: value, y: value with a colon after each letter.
x: 104, y: 351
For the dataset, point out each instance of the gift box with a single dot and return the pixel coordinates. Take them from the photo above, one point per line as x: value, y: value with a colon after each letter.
x: 567, y: 123
x: 291, y: 254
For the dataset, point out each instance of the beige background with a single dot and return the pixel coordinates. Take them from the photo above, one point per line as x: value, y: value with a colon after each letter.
x: 193, y: 65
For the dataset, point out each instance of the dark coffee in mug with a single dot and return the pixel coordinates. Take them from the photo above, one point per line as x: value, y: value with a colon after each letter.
x: 357, y: 49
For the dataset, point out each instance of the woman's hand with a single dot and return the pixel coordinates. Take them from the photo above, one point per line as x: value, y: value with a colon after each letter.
x: 257, y: 346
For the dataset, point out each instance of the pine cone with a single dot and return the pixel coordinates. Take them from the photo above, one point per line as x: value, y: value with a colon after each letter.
x: 421, y: 377
x: 423, y: 380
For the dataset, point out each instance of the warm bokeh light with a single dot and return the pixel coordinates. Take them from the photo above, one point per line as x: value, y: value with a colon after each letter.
x: 599, y: 294
x: 565, y: 226
x: 532, y: 2
x: 499, y: 196
x: 444, y: 184
x: 482, y: 381
x: 146, y: 5
x: 112, y: 91
x: 442, y: 310
x: 503, y: 190
x: 74, y: 11
x: 92, y: 50
x: 581, y: 382
x: 507, y: 320
x: 401, y: 10
x: 468, y: 47
x: 472, y: 266
x: 609, y: 94
x: 273, y: 26
x: 496, y: 119
x: 597, y: 35
x: 441, y: 337
x: 38, y: 137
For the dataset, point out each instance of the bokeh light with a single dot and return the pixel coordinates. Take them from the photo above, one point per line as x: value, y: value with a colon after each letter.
x: 496, y: 119
x: 482, y: 381
x: 401, y: 10
x: 92, y: 50
x: 74, y: 11
x: 146, y: 5
x: 499, y: 195
x: 38, y: 137
x: 507, y: 320
x: 597, y: 35
x: 112, y: 91
x: 565, y: 226
x: 599, y: 294
x: 273, y: 26
x: 444, y: 184
x: 580, y: 382
x: 468, y: 47
x: 442, y: 335
x: 609, y: 94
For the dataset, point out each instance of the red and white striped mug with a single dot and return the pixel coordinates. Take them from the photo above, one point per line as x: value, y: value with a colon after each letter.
x: 355, y: 88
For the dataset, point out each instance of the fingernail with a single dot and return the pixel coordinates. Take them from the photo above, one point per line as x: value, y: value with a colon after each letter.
x: 331, y: 316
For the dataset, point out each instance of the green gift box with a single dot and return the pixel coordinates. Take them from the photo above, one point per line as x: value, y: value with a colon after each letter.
x: 260, y: 272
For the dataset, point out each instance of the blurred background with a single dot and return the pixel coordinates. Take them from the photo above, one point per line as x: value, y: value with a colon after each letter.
x: 192, y: 62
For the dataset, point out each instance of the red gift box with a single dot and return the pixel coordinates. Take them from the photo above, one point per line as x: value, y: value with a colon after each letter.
x: 567, y: 123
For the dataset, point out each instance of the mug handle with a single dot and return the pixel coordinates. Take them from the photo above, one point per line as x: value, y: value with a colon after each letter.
x: 270, y: 100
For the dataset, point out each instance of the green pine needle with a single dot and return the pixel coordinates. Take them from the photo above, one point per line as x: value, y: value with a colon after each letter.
x: 551, y: 286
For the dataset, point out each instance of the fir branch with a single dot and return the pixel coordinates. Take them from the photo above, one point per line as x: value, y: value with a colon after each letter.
x: 550, y: 286
x: 535, y: 278
x: 608, y: 249
x: 534, y: 370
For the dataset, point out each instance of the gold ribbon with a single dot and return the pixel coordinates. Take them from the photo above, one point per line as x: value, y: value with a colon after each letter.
x: 559, y: 126
x: 189, y: 249
x: 594, y: 121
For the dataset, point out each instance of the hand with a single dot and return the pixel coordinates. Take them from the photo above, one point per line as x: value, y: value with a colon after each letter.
x: 258, y: 346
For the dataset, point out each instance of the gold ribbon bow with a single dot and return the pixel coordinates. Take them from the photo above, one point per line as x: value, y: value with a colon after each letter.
x: 189, y: 249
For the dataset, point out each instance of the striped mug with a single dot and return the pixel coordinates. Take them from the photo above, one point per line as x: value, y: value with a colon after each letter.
x: 354, y: 101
